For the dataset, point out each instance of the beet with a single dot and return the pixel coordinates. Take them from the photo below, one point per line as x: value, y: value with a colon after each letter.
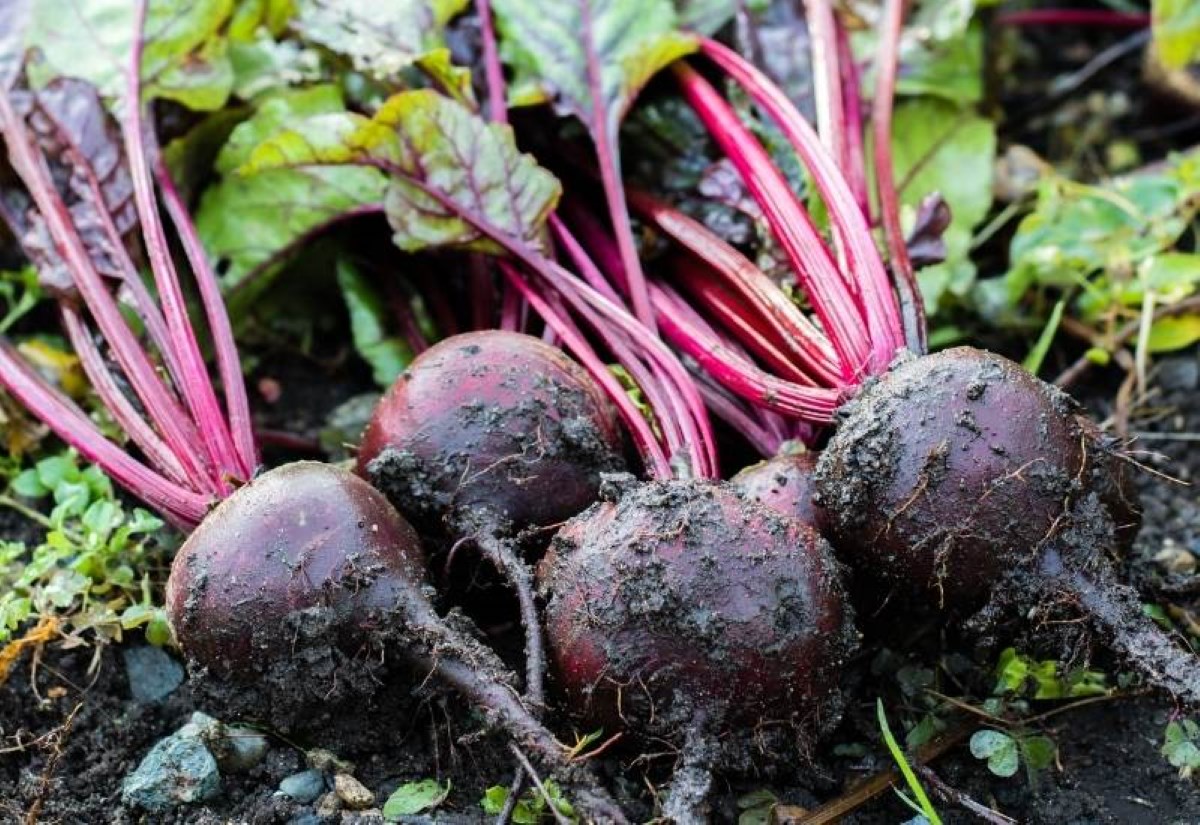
x: 309, y: 538
x: 488, y: 434
x: 959, y: 479
x: 785, y: 484
x: 301, y: 537
x: 495, y: 426
x: 681, y: 610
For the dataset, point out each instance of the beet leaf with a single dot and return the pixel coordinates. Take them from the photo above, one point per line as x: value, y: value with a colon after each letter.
x: 594, y: 56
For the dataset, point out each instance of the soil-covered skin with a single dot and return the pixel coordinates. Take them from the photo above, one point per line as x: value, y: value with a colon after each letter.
x: 491, y: 422
x: 680, y: 599
x: 952, y: 469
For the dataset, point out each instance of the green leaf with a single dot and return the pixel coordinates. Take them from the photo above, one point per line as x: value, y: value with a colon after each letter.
x: 1033, y: 361
x: 1176, y: 31
x: 999, y: 749
x: 415, y: 797
x: 493, y: 800
x: 380, y: 39
x: 939, y: 148
x: 1174, y: 333
x: 626, y: 42
x: 1037, y: 751
x: 28, y: 484
x: 247, y: 221
x: 449, y: 170
x: 185, y: 56
x: 387, y: 355
x: 453, y: 81
x: 56, y: 470
x: 951, y: 69
x: 704, y: 16
x: 1181, y: 744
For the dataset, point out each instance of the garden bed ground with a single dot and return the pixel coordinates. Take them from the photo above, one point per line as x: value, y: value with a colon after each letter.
x: 71, y: 732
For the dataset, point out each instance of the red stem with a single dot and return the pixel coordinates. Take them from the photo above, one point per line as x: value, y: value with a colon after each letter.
x: 229, y: 365
x: 161, y: 406
x: 123, y: 412
x: 912, y: 308
x: 196, y: 386
x: 808, y: 346
x: 181, y: 506
x: 885, y: 331
x: 854, y: 165
x: 791, y: 225
x: 497, y: 105
x: 827, y: 78
x: 607, y: 157
x: 685, y: 330
x: 1074, y: 17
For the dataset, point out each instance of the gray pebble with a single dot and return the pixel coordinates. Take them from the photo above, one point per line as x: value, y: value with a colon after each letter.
x: 303, y: 787
x: 177, y: 771
x: 153, y: 675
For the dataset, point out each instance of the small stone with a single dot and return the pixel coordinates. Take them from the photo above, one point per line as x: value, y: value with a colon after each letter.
x: 355, y: 794
x: 177, y: 771
x: 243, y: 749
x: 153, y: 675
x: 371, y: 816
x: 328, y: 806
x: 326, y: 761
x: 303, y: 787
x: 200, y: 726
x: 1174, y: 558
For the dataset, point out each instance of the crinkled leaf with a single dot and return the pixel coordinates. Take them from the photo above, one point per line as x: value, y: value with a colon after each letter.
x: 625, y: 41
x: 263, y: 64
x: 1038, y: 752
x: 185, y: 57
x: 1114, y: 239
x: 939, y: 148
x: 450, y: 79
x: 448, y: 169
x: 1176, y: 31
x: 415, y: 797
x: 380, y: 39
x: 248, y: 220
x: 388, y: 355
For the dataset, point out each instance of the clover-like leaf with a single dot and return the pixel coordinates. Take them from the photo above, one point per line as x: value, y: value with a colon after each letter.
x: 999, y: 749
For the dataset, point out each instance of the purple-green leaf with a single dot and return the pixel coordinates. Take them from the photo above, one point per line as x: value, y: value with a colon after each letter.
x: 454, y: 179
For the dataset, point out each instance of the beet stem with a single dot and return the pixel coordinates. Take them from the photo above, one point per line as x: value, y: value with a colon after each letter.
x: 912, y: 307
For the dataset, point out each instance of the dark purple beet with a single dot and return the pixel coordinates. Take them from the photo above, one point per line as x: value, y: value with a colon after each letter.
x: 682, y: 600
x: 959, y: 479
x: 300, y: 537
x: 496, y: 423
x: 952, y: 469
x: 307, y: 539
x: 785, y: 484
x: 487, y: 434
